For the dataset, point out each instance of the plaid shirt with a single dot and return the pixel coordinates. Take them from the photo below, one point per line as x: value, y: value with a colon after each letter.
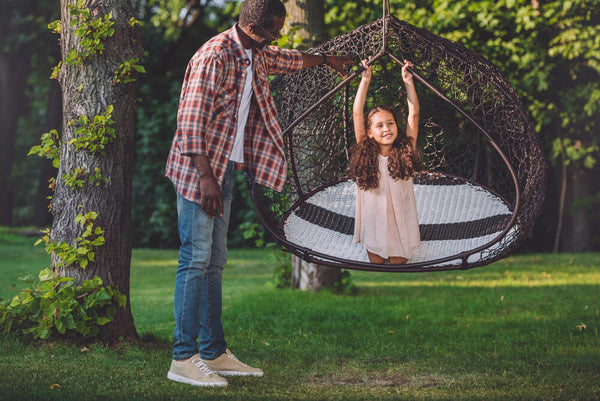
x: 207, y: 115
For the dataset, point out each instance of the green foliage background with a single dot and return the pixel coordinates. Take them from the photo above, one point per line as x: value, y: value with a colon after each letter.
x: 549, y: 51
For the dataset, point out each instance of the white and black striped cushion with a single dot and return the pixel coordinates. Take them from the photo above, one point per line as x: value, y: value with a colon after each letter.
x: 454, y: 216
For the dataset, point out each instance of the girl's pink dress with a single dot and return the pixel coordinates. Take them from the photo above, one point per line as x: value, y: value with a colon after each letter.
x: 386, y: 217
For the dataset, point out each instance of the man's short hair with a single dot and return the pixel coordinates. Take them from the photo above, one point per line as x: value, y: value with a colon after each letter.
x: 261, y: 12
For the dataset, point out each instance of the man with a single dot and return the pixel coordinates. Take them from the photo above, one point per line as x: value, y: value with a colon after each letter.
x: 226, y: 119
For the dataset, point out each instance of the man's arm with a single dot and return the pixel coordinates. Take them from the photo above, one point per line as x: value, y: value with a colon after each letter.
x: 335, y: 62
x: 203, y: 77
x: 212, y: 201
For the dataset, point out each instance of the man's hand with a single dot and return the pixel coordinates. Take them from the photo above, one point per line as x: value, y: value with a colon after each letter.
x: 335, y: 62
x: 212, y: 200
x: 338, y: 63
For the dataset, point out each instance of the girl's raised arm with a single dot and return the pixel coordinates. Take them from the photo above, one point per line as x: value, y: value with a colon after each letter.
x: 358, y: 114
x: 412, y: 121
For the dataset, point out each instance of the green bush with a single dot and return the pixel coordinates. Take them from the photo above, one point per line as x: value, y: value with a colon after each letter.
x: 282, y: 273
x: 55, y: 307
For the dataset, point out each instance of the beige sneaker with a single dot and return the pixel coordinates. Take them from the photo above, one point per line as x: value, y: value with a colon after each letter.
x: 228, y: 365
x: 195, y: 372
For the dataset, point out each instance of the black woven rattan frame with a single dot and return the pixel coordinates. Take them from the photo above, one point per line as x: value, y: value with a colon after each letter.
x: 473, y: 125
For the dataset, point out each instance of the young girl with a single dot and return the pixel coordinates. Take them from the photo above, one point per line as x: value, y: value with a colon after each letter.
x: 382, y: 165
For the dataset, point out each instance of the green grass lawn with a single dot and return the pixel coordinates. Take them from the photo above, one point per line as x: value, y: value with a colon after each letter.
x: 524, y: 328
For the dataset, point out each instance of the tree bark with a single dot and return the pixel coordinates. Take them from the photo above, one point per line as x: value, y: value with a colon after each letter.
x: 88, y: 89
x: 562, y: 196
x: 309, y: 17
x: 314, y: 277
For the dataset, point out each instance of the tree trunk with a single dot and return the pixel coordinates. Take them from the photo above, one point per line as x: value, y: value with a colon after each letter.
x: 309, y: 16
x: 311, y: 276
x: 14, y: 69
x: 561, y: 197
x: 88, y: 89
x: 581, y: 217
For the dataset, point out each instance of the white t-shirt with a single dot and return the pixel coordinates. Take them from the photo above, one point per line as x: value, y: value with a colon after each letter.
x: 237, y: 153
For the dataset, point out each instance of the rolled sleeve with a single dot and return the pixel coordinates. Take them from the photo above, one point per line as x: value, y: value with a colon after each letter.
x: 282, y: 61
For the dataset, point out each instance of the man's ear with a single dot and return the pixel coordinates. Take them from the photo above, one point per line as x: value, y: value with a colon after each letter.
x: 252, y: 28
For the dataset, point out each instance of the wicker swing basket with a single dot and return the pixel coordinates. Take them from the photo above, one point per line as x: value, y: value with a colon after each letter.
x: 484, y: 184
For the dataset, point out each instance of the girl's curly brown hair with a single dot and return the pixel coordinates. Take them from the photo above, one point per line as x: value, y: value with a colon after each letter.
x: 403, y: 162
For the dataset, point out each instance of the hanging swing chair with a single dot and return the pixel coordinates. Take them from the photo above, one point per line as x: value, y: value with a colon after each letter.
x: 484, y: 181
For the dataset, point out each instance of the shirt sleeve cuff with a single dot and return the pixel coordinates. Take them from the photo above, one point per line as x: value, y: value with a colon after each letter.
x: 192, y: 146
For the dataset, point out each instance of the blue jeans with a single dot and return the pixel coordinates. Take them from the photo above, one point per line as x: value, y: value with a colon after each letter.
x: 198, y: 294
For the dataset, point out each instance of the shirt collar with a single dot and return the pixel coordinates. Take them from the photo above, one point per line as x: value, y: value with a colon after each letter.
x: 233, y: 34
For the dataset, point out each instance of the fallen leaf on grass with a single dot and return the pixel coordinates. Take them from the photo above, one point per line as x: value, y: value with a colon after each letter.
x: 52, y: 387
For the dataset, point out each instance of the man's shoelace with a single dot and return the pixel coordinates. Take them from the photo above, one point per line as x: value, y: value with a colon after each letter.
x: 199, y: 363
x: 233, y: 358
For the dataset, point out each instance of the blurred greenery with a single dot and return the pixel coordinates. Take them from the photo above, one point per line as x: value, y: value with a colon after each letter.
x: 549, y: 51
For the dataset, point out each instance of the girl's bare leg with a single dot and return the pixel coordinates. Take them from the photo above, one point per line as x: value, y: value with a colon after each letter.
x: 394, y: 260
x: 397, y: 260
x: 374, y: 258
